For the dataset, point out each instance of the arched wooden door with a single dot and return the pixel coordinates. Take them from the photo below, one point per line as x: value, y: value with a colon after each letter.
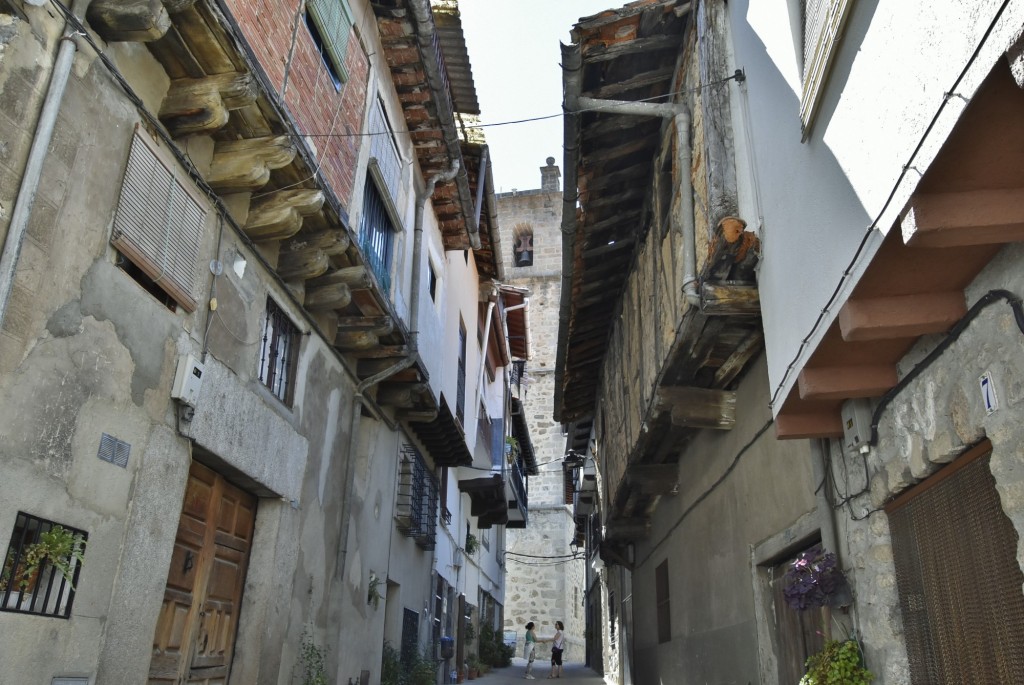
x: 195, y: 634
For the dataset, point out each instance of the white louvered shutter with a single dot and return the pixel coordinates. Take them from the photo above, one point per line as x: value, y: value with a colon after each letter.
x: 334, y: 20
x: 159, y: 225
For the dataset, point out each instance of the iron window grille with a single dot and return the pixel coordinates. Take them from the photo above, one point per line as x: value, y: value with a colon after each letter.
x: 43, y: 590
x: 278, y: 353
x: 417, y: 499
x: 377, y: 234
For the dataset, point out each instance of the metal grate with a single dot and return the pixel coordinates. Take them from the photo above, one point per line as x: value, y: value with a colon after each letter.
x: 30, y: 582
x: 376, y: 234
x: 114, y: 451
x: 417, y: 498
x: 159, y: 225
x: 958, y: 578
x: 278, y: 353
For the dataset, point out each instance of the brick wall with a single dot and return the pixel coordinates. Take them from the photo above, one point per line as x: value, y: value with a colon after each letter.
x: 317, y: 108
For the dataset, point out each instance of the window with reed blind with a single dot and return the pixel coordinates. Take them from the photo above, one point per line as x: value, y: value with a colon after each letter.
x: 159, y: 222
x: 823, y: 26
x: 955, y: 552
x: 384, y: 159
x: 330, y: 25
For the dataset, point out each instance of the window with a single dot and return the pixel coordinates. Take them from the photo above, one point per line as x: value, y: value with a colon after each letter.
x: 485, y: 538
x: 661, y: 594
x: 159, y: 224
x: 431, y: 281
x: 330, y: 24
x: 376, y: 234
x: 416, y: 514
x: 446, y: 514
x: 41, y: 567
x: 955, y: 552
x: 278, y: 353
x: 611, y: 619
x: 410, y: 636
x: 384, y: 159
x: 822, y: 26
x: 460, y: 400
x: 522, y: 245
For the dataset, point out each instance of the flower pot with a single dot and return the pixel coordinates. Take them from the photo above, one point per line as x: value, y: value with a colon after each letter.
x: 472, y: 674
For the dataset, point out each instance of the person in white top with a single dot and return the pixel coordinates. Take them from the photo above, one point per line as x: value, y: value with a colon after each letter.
x: 557, y: 645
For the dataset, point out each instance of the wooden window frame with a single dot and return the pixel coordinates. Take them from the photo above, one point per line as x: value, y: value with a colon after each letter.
x: 821, y: 43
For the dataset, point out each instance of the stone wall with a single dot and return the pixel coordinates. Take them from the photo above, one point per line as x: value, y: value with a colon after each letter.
x: 544, y: 586
x: 931, y: 422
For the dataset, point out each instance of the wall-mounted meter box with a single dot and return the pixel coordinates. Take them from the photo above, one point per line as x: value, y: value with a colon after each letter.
x: 856, y: 423
x: 188, y: 380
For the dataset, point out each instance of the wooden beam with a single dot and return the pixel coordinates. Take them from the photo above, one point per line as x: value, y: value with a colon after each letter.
x: 699, y: 407
x: 327, y: 297
x: 601, y: 52
x: 129, y: 20
x: 738, y: 359
x: 356, y: 341
x: 355, y: 277
x: 900, y: 316
x: 979, y: 217
x: 845, y: 382
x: 380, y: 325
x: 827, y: 424
x: 332, y: 242
x: 382, y: 352
x: 627, y: 529
x: 728, y: 299
x: 245, y: 165
x: 302, y: 264
x: 203, y: 105
x: 653, y: 479
x: 279, y: 215
x: 403, y: 395
x: 647, y: 78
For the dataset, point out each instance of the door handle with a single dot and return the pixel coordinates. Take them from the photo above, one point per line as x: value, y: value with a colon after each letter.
x: 189, y: 561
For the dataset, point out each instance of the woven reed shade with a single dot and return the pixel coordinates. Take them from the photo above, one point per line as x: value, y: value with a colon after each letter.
x: 958, y: 578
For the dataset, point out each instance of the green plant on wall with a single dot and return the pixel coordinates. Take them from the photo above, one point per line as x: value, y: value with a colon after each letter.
x: 838, y: 663
x: 373, y: 595
x: 471, y: 544
x: 312, y: 660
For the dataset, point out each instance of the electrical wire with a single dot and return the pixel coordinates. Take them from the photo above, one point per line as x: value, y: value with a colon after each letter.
x: 848, y: 271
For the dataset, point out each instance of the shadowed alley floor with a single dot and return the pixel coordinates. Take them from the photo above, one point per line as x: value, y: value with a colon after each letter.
x: 572, y: 673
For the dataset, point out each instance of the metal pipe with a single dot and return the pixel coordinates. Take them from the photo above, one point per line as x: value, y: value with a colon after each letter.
x: 417, y: 248
x: 36, y: 156
x: 424, y: 25
x: 685, y: 161
x: 643, y: 109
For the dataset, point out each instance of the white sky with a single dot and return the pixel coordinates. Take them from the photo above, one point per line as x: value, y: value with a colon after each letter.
x: 515, y: 55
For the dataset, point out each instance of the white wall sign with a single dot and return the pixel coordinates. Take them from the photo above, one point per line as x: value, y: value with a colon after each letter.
x: 988, y: 393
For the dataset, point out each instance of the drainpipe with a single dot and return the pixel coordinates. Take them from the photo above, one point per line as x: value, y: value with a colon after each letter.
x: 423, y: 24
x: 685, y: 161
x: 483, y: 355
x: 414, y: 355
x: 417, y: 248
x: 36, y: 156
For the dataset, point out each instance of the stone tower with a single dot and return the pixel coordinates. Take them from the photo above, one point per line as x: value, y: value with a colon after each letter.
x: 544, y: 584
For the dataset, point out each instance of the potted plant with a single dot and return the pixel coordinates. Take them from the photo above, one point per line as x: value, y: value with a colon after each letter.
x: 373, y: 595
x: 59, y: 547
x: 471, y: 544
x: 814, y: 579
x: 472, y: 666
x: 838, y: 663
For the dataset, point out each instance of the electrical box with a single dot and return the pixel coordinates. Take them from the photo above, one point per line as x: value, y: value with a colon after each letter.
x: 856, y: 423
x: 188, y: 380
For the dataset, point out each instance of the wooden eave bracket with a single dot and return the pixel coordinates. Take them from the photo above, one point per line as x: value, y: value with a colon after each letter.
x: 845, y: 382
x: 900, y: 316
x: 129, y: 20
x: 825, y: 424
x: 653, y: 479
x: 977, y: 217
x: 279, y: 215
x: 245, y: 165
x: 203, y: 105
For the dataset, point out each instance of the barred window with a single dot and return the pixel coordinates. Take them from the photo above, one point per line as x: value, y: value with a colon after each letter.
x: 279, y: 348
x: 41, y: 567
x: 377, y: 234
x: 417, y: 500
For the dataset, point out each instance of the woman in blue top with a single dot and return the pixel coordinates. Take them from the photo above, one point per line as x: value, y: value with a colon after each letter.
x: 530, y: 650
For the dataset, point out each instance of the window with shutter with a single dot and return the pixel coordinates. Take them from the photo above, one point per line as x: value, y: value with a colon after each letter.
x: 823, y: 25
x: 330, y: 28
x: 384, y: 150
x: 159, y: 222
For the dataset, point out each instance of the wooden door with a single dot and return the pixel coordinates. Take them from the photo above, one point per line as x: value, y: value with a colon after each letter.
x: 195, y: 634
